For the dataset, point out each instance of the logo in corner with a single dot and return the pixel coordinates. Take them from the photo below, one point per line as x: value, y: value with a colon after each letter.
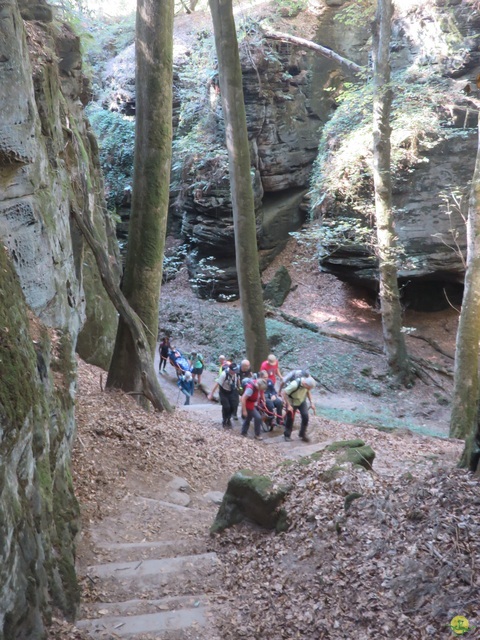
x: 460, y: 625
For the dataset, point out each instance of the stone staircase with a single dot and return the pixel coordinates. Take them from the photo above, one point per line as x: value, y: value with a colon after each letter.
x: 153, y: 573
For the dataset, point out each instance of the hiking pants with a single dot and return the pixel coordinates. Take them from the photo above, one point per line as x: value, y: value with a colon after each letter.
x: 227, y: 399
x: 275, y: 408
x: 235, y: 401
x: 257, y: 422
x: 303, y: 409
x: 187, y: 396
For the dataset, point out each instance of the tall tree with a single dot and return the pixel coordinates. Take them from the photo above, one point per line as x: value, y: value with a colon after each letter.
x: 464, y: 416
x: 394, y: 341
x: 248, y: 270
x: 153, y: 152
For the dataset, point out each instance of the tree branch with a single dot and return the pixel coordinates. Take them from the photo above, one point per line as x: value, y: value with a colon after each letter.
x: 150, y: 385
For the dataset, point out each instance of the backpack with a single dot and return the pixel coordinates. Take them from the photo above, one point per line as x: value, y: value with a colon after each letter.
x: 299, y: 383
x: 290, y: 377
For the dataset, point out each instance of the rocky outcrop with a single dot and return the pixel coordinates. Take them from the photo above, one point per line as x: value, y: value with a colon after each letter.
x: 437, y: 67
x: 47, y: 167
x: 289, y: 94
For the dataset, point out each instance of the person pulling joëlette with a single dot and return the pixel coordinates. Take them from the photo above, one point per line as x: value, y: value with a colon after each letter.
x: 295, y: 396
x: 250, y: 397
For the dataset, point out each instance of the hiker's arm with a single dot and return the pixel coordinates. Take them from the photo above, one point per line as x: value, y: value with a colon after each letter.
x: 311, y: 400
x: 210, y: 395
x: 288, y: 406
x: 244, y: 406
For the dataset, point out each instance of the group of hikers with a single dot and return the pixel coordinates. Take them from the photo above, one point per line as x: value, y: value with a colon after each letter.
x: 188, y: 369
x: 264, y: 397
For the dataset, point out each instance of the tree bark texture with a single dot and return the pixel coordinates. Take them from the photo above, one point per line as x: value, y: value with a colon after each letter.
x: 463, y: 420
x: 151, y: 181
x: 150, y: 386
x: 394, y: 341
x: 248, y: 270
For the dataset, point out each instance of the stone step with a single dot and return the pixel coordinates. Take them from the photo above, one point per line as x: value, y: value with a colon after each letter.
x: 145, y: 550
x: 156, y: 625
x: 141, y: 606
x: 182, y: 574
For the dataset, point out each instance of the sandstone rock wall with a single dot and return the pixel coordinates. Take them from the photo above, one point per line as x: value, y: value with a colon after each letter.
x: 47, y: 166
x: 435, y: 50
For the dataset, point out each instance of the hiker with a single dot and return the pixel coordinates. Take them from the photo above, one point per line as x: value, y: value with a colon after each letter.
x: 273, y: 403
x: 163, y: 350
x: 250, y: 397
x: 295, y: 396
x: 270, y: 365
x: 244, y: 374
x: 223, y: 365
x: 198, y: 366
x: 186, y: 386
x: 227, y: 389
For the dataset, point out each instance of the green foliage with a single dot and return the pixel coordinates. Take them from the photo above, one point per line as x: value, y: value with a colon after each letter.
x: 290, y: 8
x: 359, y: 12
x: 199, y: 139
x: 343, y: 171
x: 116, y: 137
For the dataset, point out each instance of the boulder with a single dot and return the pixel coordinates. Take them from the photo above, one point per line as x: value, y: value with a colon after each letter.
x: 278, y: 288
x: 354, y: 451
x: 251, y: 497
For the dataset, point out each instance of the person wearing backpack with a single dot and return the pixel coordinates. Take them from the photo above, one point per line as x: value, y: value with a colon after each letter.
x: 295, y: 396
x: 293, y: 375
x: 227, y: 390
x: 250, y: 397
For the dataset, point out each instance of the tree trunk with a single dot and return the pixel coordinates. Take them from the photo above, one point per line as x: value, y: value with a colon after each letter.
x: 248, y: 271
x: 151, y: 181
x: 463, y: 420
x: 386, y: 242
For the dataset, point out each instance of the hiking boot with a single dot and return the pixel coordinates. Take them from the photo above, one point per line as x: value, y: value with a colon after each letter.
x: 244, y: 435
x: 287, y: 438
x: 305, y: 438
x: 235, y: 417
x: 257, y: 438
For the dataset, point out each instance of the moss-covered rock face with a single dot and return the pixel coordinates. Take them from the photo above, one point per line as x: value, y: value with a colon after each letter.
x: 39, y: 514
x: 251, y: 497
x: 47, y: 166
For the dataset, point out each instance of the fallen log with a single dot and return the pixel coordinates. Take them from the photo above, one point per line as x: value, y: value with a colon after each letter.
x: 324, y: 51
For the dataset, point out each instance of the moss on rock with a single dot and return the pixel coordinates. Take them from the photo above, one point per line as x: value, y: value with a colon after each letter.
x: 251, y: 497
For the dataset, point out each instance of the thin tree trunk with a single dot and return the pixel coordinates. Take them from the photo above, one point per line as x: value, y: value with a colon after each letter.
x: 248, y: 270
x: 463, y: 420
x: 394, y: 341
x: 324, y: 51
x: 153, y: 150
x: 150, y: 386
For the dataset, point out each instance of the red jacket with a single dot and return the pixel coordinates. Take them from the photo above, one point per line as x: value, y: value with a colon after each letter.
x: 251, y: 401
